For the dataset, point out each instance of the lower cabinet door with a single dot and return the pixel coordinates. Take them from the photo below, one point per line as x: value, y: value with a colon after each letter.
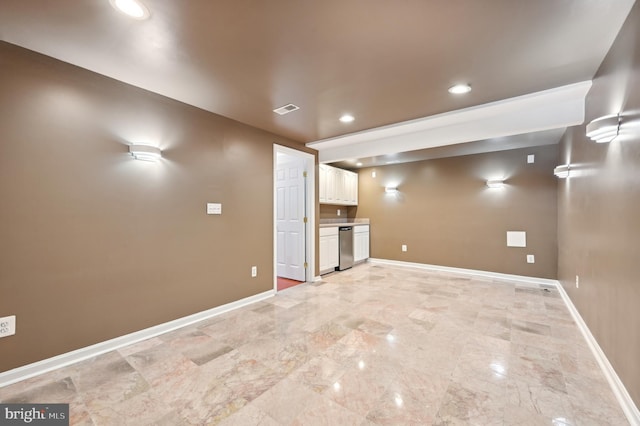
x: 329, y: 246
x: 360, y: 246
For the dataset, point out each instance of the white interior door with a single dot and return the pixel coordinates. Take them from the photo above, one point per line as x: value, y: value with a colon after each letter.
x: 290, y: 213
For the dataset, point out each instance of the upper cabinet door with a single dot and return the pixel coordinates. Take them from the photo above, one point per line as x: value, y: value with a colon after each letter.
x: 323, y: 183
x: 338, y: 186
x: 331, y: 185
x: 352, y: 188
x: 341, y: 186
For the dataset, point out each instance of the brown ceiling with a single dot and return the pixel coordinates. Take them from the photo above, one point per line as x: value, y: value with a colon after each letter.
x: 382, y: 61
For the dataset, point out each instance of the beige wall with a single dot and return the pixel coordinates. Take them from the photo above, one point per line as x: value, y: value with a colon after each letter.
x: 94, y: 244
x: 599, y: 211
x: 447, y: 216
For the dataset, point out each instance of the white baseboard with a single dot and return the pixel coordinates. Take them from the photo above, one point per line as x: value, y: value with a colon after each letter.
x: 63, y: 360
x: 623, y: 397
x: 473, y: 272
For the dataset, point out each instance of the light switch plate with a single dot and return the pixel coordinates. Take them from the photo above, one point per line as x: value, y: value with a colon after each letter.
x: 531, y: 158
x: 214, y: 208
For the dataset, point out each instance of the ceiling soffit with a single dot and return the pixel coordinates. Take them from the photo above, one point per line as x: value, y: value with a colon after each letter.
x: 545, y: 110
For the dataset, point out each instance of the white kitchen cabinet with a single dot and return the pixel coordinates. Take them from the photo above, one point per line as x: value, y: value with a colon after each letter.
x: 332, y: 185
x: 338, y: 186
x: 329, y: 249
x: 327, y: 184
x: 351, y: 188
x: 360, y: 243
x: 343, y: 194
x: 323, y: 183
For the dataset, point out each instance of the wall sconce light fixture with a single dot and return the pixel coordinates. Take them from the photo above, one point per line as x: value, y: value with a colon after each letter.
x: 495, y: 183
x: 562, y: 171
x: 604, y: 129
x: 145, y: 152
x: 390, y: 189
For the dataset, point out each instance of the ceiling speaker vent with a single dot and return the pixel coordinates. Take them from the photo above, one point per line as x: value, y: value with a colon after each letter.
x: 286, y: 109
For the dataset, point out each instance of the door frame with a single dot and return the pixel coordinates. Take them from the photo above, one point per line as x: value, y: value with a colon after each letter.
x: 310, y: 235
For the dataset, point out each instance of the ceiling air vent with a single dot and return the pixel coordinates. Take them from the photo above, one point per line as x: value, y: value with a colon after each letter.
x: 286, y: 109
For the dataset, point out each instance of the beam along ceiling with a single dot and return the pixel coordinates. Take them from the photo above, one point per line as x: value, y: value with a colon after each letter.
x: 527, y: 140
x: 381, y: 61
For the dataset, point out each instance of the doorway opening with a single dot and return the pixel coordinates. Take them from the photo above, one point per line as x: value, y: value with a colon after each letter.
x: 294, y: 217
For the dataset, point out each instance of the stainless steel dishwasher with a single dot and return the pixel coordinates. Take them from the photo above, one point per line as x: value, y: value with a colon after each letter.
x: 346, y: 247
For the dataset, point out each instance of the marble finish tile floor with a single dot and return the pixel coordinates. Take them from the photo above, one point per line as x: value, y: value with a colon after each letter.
x: 373, y: 345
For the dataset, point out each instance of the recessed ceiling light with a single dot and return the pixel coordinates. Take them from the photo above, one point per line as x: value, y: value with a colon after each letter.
x: 132, y: 8
x: 459, y: 89
x: 358, y: 164
x: 347, y: 118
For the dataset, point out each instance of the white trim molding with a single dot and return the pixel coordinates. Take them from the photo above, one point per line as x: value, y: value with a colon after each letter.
x: 624, y: 399
x: 63, y: 360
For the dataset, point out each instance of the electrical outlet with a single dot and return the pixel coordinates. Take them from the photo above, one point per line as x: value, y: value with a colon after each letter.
x: 254, y: 271
x: 577, y: 281
x: 338, y: 212
x: 404, y: 247
x: 531, y: 258
x: 373, y: 174
x: 8, y: 326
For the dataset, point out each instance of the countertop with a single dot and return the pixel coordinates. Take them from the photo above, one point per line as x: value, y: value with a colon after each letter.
x: 329, y: 223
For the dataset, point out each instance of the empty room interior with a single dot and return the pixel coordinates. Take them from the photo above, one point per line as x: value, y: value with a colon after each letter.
x: 333, y: 213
